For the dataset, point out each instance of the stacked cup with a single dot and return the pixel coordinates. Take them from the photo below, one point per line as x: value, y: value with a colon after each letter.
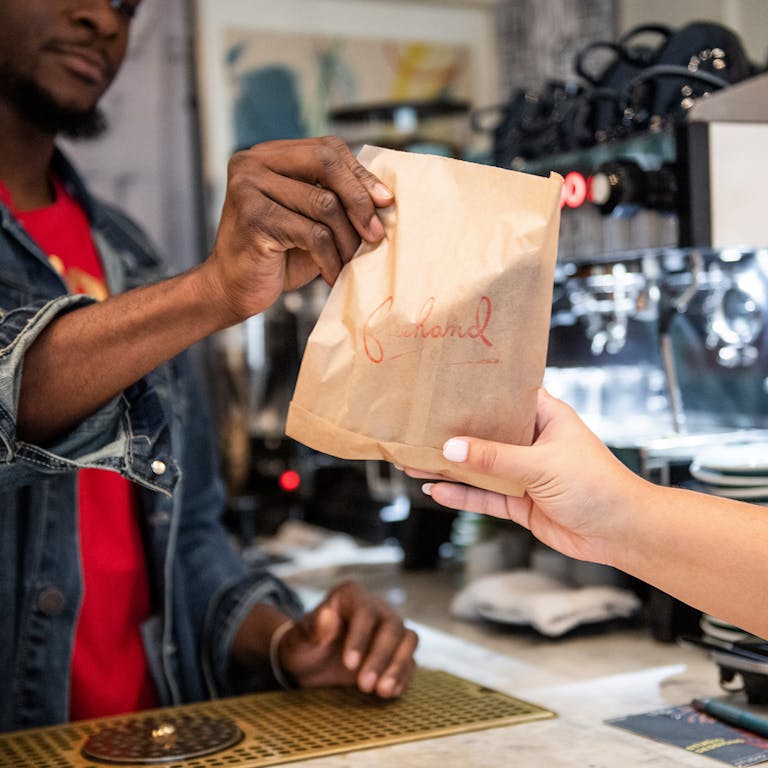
x: 738, y: 471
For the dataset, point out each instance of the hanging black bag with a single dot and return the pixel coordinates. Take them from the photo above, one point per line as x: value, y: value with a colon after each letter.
x: 601, y: 117
x: 699, y: 58
x: 504, y: 123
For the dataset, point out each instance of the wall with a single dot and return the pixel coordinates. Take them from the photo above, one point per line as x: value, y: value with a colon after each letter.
x: 539, y: 39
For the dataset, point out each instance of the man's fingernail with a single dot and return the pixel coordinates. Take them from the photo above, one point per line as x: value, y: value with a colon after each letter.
x: 398, y: 467
x: 375, y: 227
x: 387, y: 686
x: 456, y: 450
x: 427, y: 488
x: 352, y: 660
x: 381, y: 190
x: 367, y: 681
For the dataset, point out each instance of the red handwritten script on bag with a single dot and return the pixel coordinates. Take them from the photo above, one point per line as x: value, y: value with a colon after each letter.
x: 441, y: 329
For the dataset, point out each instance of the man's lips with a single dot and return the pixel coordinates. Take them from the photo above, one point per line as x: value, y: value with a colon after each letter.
x: 84, y: 63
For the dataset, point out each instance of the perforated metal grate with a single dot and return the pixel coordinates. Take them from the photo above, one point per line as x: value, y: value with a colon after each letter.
x: 284, y: 726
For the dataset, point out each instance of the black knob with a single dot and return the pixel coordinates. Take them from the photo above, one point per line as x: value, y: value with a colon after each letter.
x: 617, y: 183
x: 624, y: 182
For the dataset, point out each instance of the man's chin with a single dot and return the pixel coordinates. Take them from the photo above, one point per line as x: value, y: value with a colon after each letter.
x: 45, y: 113
x: 84, y: 125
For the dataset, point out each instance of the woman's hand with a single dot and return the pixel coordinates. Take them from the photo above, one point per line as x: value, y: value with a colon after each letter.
x: 574, y: 486
x: 707, y: 551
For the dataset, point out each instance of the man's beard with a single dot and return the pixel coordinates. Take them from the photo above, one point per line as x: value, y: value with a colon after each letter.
x: 39, y: 107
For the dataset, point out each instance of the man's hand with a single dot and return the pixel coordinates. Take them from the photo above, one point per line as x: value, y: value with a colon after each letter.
x: 351, y: 638
x: 293, y: 210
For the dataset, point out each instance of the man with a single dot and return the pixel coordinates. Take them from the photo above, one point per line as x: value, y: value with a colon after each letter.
x: 118, y: 587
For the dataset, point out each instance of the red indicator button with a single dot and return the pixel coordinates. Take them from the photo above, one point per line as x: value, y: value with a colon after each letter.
x: 574, y: 190
x: 289, y: 480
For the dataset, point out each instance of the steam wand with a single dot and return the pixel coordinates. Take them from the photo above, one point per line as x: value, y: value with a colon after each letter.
x: 667, y: 313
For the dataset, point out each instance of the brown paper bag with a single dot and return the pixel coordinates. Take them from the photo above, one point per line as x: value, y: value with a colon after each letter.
x: 442, y: 328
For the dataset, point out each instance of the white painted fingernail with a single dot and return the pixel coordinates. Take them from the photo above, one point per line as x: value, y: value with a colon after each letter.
x: 456, y: 450
x: 427, y: 488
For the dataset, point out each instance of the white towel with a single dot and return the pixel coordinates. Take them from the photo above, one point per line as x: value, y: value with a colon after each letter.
x: 548, y: 605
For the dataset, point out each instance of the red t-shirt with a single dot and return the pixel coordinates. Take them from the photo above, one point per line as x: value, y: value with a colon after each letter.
x: 110, y: 674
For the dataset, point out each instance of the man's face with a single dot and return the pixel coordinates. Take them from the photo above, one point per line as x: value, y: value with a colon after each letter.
x: 58, y: 57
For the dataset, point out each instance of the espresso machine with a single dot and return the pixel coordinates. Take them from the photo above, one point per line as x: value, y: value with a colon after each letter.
x: 661, y: 296
x: 658, y: 336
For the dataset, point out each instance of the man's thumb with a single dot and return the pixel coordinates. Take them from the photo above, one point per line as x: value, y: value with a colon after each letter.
x: 327, y: 625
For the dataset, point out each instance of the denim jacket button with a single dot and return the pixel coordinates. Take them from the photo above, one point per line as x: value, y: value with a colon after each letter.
x: 159, y: 467
x: 51, y: 601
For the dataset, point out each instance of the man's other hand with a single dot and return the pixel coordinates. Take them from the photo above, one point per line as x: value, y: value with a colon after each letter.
x: 351, y: 638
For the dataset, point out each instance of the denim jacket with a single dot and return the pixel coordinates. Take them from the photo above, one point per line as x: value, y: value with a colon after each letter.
x: 154, y: 433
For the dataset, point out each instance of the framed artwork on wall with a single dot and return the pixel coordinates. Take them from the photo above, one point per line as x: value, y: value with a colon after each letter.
x: 271, y: 70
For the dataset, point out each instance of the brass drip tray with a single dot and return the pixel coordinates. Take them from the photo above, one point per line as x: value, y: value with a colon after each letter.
x: 160, y: 739
x: 269, y: 728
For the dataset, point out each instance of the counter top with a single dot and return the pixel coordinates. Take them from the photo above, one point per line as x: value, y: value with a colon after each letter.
x: 585, y: 679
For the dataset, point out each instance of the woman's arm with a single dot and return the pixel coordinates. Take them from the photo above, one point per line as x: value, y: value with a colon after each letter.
x: 580, y: 499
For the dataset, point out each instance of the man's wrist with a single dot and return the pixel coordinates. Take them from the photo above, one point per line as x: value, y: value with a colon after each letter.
x: 278, y: 671
x: 213, y: 298
x: 251, y: 645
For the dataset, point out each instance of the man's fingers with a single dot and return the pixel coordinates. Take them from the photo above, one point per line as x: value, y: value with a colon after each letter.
x: 328, y: 624
x: 329, y: 163
x: 388, y: 652
x: 397, y: 675
x: 360, y: 191
x: 290, y: 231
x: 316, y: 204
x: 360, y: 627
x: 377, y: 645
x: 358, y: 614
x: 293, y: 209
x: 380, y: 193
x: 274, y: 226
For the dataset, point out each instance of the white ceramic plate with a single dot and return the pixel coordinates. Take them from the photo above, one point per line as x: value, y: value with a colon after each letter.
x: 722, y: 631
x: 744, y: 458
x: 713, y: 477
x: 760, y: 492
